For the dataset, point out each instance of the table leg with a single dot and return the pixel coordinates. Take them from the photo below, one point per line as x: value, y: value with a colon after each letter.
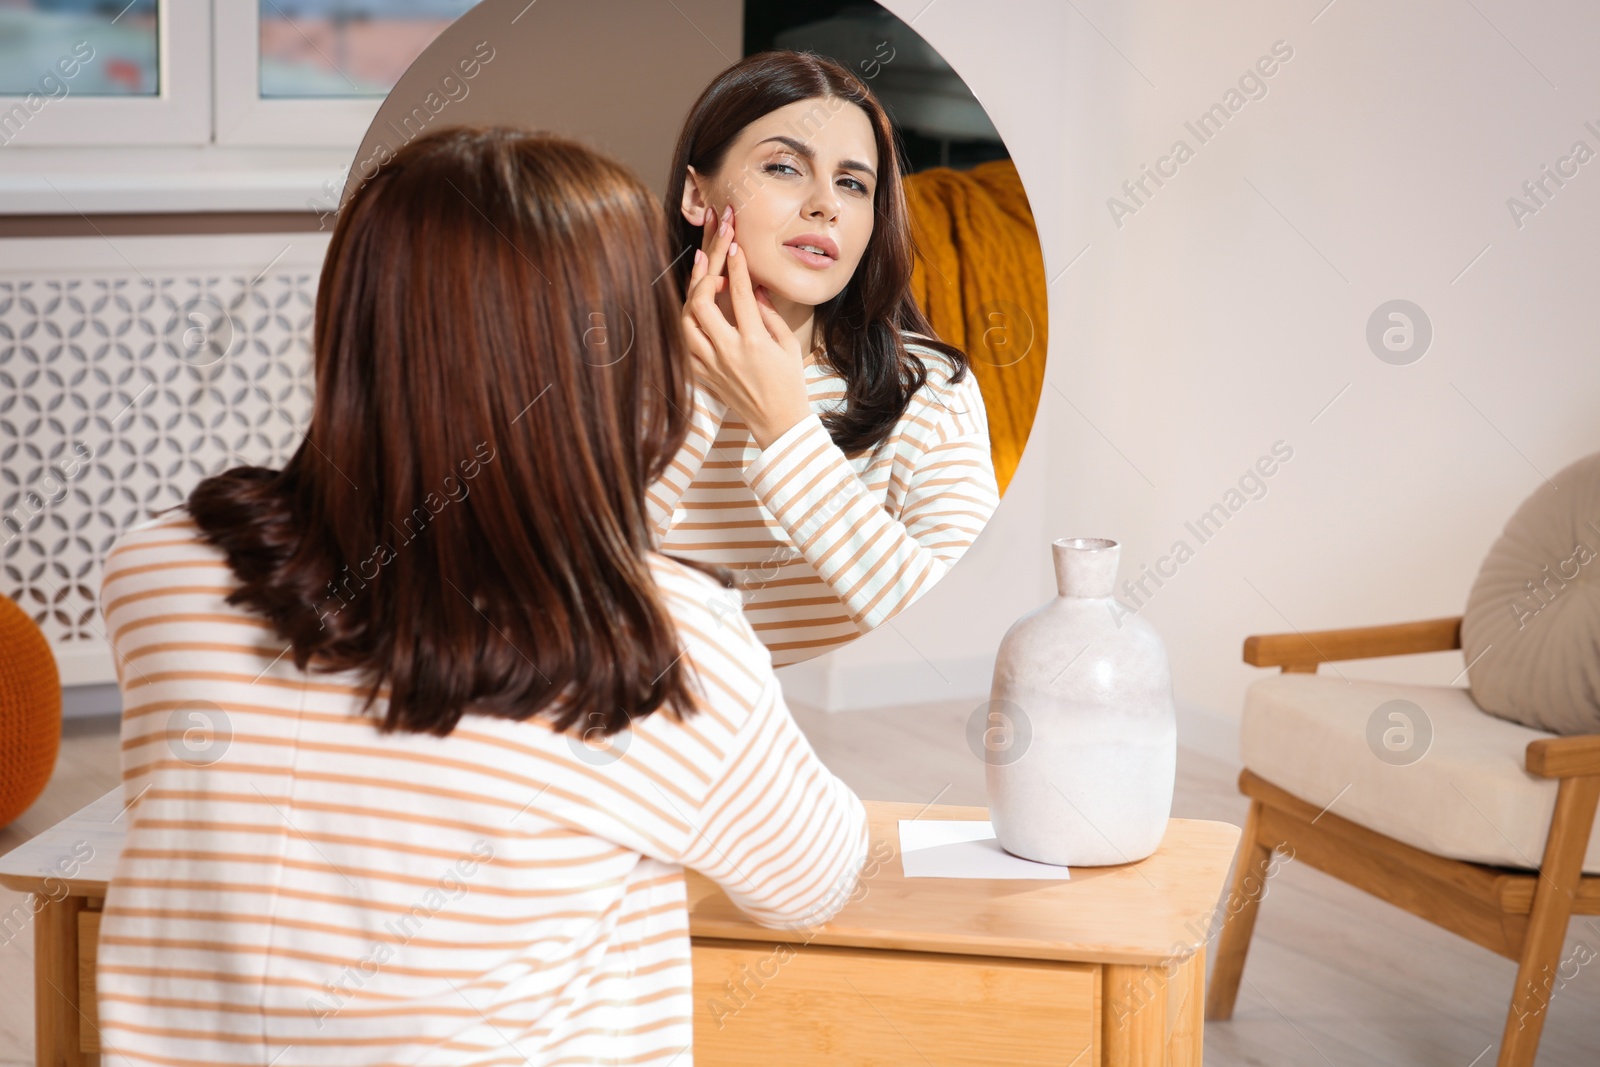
x: 1251, y: 869
x: 1154, y: 1016
x: 1186, y: 1007
x: 1134, y: 1032
x: 57, y: 1020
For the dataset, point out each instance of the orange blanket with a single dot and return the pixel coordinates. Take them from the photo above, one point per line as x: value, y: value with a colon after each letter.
x: 979, y: 278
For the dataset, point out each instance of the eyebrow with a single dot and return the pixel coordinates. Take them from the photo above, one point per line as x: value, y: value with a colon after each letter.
x: 810, y: 153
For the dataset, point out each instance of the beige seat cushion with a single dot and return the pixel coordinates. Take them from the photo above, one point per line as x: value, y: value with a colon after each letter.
x: 1466, y: 798
x: 1531, y: 628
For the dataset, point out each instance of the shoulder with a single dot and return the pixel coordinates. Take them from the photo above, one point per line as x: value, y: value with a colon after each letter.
x: 169, y: 538
x: 712, y: 626
x: 920, y: 345
x: 160, y: 563
x: 732, y: 668
x: 953, y: 408
x: 941, y: 368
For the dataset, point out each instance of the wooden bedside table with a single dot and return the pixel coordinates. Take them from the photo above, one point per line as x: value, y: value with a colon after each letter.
x: 1107, y: 968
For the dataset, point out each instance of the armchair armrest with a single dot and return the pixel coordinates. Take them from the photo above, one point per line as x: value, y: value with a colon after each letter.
x: 1564, y: 757
x: 1301, y: 652
x: 1549, y: 757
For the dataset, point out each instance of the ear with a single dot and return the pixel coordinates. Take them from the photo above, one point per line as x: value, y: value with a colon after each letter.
x: 694, y: 204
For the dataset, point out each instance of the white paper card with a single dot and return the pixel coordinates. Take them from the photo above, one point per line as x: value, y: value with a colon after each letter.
x: 947, y: 848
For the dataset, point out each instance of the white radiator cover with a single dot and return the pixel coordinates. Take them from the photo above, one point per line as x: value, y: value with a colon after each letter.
x: 115, y: 401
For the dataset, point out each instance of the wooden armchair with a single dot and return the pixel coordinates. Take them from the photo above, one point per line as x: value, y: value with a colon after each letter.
x: 1520, y: 914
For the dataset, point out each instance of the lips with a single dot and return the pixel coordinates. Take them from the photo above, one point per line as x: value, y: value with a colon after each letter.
x: 816, y: 240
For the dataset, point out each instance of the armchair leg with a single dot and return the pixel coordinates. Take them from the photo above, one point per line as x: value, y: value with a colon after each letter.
x: 1559, y: 875
x: 1244, y: 896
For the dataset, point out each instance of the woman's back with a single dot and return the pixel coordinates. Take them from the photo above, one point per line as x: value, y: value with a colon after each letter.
x: 300, y: 888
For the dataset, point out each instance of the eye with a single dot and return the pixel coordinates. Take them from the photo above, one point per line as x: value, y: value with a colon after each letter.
x: 770, y: 168
x: 860, y: 186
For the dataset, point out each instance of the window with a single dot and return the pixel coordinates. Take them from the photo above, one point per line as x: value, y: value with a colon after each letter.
x: 45, y: 43
x: 91, y: 72
x: 313, y: 72
x: 345, y: 47
x: 197, y: 72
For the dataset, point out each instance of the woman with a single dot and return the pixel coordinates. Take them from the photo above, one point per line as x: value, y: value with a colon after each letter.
x: 419, y: 731
x: 839, y: 456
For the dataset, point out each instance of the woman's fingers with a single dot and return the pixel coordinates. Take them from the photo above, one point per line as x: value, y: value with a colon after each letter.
x: 708, y: 231
x: 697, y: 271
x: 717, y: 248
x: 703, y: 255
x: 700, y: 310
x: 699, y: 343
x: 702, y: 304
x: 777, y: 327
x: 747, y: 313
x: 702, y: 289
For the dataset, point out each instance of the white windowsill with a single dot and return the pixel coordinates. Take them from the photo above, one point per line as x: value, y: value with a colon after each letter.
x: 94, y: 181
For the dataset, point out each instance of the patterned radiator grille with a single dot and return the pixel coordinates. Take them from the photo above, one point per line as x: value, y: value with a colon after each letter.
x: 131, y: 368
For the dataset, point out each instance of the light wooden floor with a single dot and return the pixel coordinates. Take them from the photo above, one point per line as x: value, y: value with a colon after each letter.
x: 1335, y: 978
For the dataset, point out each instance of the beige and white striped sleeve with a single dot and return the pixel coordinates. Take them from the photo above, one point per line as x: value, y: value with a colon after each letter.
x: 661, y: 498
x: 783, y: 836
x: 877, y: 563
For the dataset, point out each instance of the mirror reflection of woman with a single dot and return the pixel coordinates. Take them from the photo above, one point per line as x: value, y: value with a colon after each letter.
x: 838, y: 461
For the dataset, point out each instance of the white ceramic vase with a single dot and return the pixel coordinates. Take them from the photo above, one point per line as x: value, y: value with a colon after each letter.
x: 1082, y: 744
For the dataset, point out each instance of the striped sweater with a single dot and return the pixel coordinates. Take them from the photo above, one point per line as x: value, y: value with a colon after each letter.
x: 297, y: 888
x: 825, y: 547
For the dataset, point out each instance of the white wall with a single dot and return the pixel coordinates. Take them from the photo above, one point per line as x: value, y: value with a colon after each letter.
x: 1231, y: 308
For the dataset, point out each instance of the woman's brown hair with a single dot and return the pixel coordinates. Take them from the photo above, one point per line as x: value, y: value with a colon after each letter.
x: 860, y: 327
x: 500, y: 374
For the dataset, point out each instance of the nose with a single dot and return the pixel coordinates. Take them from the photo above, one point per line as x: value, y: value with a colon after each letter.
x: 824, y: 203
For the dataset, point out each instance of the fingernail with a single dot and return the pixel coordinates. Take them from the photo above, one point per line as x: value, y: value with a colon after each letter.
x: 733, y: 248
x: 699, y: 257
x: 727, y: 212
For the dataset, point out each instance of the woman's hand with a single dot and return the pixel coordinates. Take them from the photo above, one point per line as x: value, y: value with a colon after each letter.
x: 714, y: 242
x: 754, y: 364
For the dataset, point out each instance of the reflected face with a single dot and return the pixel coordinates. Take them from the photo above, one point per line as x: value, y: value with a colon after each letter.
x: 805, y: 174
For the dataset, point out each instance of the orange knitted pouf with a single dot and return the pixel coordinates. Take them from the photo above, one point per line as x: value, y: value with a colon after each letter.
x: 30, y: 711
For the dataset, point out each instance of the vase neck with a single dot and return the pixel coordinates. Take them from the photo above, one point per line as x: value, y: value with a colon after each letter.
x: 1085, y: 566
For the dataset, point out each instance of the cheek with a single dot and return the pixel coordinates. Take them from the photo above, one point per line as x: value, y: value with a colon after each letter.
x: 758, y: 226
x: 755, y: 221
x: 767, y: 262
x: 861, y: 236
